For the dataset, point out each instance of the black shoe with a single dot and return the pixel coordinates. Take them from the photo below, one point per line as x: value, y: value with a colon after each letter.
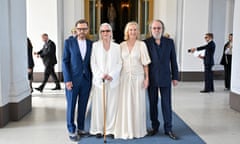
x: 98, y: 135
x: 82, y: 133
x: 110, y: 136
x: 204, y: 91
x: 39, y: 89
x: 152, y: 132
x: 171, y: 135
x: 57, y: 88
x: 74, y: 138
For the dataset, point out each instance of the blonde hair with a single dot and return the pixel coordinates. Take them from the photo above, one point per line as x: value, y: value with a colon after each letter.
x: 126, y: 36
x: 100, y: 29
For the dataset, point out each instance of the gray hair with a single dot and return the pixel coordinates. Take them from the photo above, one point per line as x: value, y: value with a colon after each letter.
x: 110, y: 28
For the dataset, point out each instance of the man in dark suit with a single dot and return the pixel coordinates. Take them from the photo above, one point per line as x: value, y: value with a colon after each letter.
x: 208, y: 60
x: 162, y: 71
x: 77, y: 77
x: 226, y: 61
x: 48, y: 55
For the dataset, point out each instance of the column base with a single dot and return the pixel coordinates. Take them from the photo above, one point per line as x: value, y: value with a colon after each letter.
x: 15, y: 111
x: 235, y: 101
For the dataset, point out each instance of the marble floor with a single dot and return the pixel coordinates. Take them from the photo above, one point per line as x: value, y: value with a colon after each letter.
x: 209, y: 115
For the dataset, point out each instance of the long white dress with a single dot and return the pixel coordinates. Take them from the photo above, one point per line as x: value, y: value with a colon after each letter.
x: 104, y: 62
x: 131, y: 115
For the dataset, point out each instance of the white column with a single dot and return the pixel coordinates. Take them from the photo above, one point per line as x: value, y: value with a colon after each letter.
x: 15, y: 98
x: 235, y: 77
x: 19, y: 88
x: 4, y: 53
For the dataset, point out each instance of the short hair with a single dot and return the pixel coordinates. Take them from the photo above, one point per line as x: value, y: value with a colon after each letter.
x: 81, y: 21
x: 210, y: 35
x: 126, y: 37
x: 230, y: 34
x: 100, y: 29
x: 45, y: 34
x: 156, y: 20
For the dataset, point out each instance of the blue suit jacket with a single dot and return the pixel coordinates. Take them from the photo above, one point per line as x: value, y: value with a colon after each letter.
x: 74, y: 67
x: 209, y: 53
x: 163, y: 67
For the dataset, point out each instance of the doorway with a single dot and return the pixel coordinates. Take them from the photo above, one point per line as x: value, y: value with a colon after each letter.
x: 118, y: 14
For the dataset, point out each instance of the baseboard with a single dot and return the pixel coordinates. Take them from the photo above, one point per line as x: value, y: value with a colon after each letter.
x: 38, y: 76
x: 235, y: 101
x: 199, y: 76
x: 183, y: 76
x: 4, y: 115
x: 15, y: 111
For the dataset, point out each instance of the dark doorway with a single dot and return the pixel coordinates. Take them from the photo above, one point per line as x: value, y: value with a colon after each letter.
x: 118, y: 13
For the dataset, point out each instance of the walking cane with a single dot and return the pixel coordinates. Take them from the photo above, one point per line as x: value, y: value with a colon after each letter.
x: 104, y: 112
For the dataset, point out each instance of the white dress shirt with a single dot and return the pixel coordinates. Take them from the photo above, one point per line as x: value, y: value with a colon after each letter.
x: 83, y: 47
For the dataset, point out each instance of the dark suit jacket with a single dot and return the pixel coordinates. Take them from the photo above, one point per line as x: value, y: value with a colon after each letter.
x: 48, y: 53
x: 74, y: 67
x: 223, y: 60
x: 209, y: 53
x: 163, y: 67
x: 30, y: 56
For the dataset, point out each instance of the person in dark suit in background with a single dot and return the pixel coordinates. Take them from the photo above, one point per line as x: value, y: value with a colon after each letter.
x: 48, y: 55
x: 162, y: 71
x: 77, y: 77
x: 30, y: 63
x: 226, y: 61
x: 208, y: 59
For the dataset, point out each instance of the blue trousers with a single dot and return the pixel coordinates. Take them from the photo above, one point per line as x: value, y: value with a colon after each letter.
x: 165, y: 105
x: 78, y: 95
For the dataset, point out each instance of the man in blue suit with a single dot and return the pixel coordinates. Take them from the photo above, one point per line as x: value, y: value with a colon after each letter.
x: 208, y: 60
x: 162, y: 71
x: 77, y: 78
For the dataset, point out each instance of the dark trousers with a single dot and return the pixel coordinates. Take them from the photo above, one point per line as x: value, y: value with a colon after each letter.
x: 78, y: 95
x: 227, y: 71
x: 208, y: 77
x: 165, y: 105
x: 49, y: 70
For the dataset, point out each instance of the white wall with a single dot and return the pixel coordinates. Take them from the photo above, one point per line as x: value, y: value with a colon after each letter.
x: 43, y: 16
x: 218, y: 11
x: 194, y: 26
x: 73, y: 11
x: 166, y: 10
x: 235, y: 86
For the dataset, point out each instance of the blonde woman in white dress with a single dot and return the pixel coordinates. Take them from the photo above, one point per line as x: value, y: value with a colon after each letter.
x: 105, y: 64
x: 131, y: 115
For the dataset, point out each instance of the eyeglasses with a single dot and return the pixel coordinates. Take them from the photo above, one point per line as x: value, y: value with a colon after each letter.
x: 102, y: 31
x: 82, y: 29
x: 156, y: 28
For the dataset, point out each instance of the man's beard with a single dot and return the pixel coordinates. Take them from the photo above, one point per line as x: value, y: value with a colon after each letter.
x: 158, y: 36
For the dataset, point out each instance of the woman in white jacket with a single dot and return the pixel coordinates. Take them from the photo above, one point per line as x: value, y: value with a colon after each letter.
x: 105, y: 64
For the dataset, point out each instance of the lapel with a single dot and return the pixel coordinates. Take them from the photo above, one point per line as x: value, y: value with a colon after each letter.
x: 87, y: 56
